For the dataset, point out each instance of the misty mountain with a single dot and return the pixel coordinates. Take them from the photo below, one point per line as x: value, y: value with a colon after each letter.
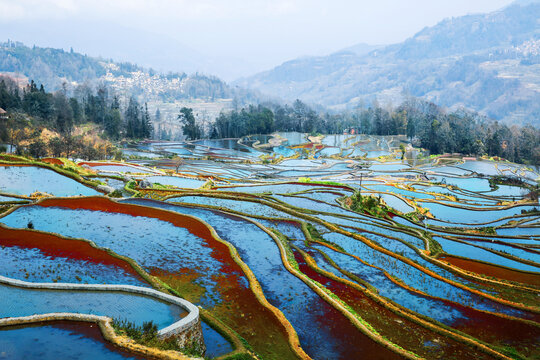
x: 56, y: 68
x: 111, y: 40
x: 487, y: 62
x: 361, y: 49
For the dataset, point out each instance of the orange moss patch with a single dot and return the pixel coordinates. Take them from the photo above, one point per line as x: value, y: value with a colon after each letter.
x: 493, y: 271
x: 241, y: 309
x: 56, y: 246
x: 398, y: 329
x: 308, y: 146
x: 53, y: 161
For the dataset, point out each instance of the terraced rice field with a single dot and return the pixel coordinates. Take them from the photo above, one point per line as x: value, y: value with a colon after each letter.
x: 336, y: 250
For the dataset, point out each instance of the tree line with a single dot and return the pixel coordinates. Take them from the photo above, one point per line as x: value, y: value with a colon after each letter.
x: 426, y: 125
x: 61, y: 113
x: 32, y: 108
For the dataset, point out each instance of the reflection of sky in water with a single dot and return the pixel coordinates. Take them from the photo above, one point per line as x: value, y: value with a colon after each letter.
x: 414, y: 277
x: 138, y: 309
x: 176, y: 181
x: 53, y: 342
x: 36, y: 266
x: 153, y: 243
x: 121, y: 168
x: 24, y: 180
x: 456, y: 248
x: 281, y: 288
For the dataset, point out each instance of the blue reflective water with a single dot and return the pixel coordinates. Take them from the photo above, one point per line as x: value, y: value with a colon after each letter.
x: 135, y: 308
x: 141, y: 154
x: 414, y: 277
x: 281, y: 288
x: 8, y: 198
x: 460, y: 249
x: 36, y: 266
x: 122, y: 168
x: 470, y: 216
x: 24, y: 180
x: 59, y: 341
x: 418, y: 303
x: 216, y: 344
x: 151, y: 242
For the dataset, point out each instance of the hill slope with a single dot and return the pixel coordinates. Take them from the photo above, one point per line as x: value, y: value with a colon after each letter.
x: 56, y: 68
x: 487, y: 62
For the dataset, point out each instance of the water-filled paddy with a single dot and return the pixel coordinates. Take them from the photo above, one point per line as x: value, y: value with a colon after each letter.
x: 141, y: 154
x: 470, y: 216
x: 135, y: 308
x: 258, y: 250
x: 467, y: 250
x: 59, y: 340
x: 404, y: 270
x: 37, y: 266
x: 9, y: 198
x: 22, y: 180
x: 122, y: 169
x: 153, y: 243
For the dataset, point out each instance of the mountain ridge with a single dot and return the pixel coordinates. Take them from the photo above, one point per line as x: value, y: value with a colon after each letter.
x: 487, y: 62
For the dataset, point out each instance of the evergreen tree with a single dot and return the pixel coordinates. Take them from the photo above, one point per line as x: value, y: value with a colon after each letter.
x: 132, y: 117
x: 189, y: 127
x: 146, y: 131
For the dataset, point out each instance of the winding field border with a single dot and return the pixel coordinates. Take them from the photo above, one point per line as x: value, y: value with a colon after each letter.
x: 398, y: 310
x: 306, y: 216
x: 239, y: 347
x: 191, y: 319
x: 107, y: 331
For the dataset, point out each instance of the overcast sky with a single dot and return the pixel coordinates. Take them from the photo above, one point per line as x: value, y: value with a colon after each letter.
x: 261, y: 32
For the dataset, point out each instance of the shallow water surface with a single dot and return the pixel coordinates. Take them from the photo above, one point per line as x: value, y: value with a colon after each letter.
x: 24, y: 180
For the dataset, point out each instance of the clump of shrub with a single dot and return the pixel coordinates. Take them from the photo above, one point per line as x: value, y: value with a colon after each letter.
x: 532, y: 211
x: 369, y: 204
x: 147, y: 335
x: 71, y: 169
x: 116, y: 194
x: 131, y: 185
x: 148, y: 331
x: 506, y: 180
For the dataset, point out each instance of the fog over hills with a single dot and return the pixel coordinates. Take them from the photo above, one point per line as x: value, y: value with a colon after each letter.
x: 111, y: 40
x: 487, y: 62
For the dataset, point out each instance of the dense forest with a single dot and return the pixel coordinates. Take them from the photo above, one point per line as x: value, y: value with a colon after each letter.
x: 54, y: 66
x: 34, y: 108
x: 427, y: 125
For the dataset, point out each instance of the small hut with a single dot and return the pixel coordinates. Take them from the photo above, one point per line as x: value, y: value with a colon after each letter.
x: 3, y: 114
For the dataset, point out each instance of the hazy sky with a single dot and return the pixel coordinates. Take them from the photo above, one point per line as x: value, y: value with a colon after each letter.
x: 261, y: 32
